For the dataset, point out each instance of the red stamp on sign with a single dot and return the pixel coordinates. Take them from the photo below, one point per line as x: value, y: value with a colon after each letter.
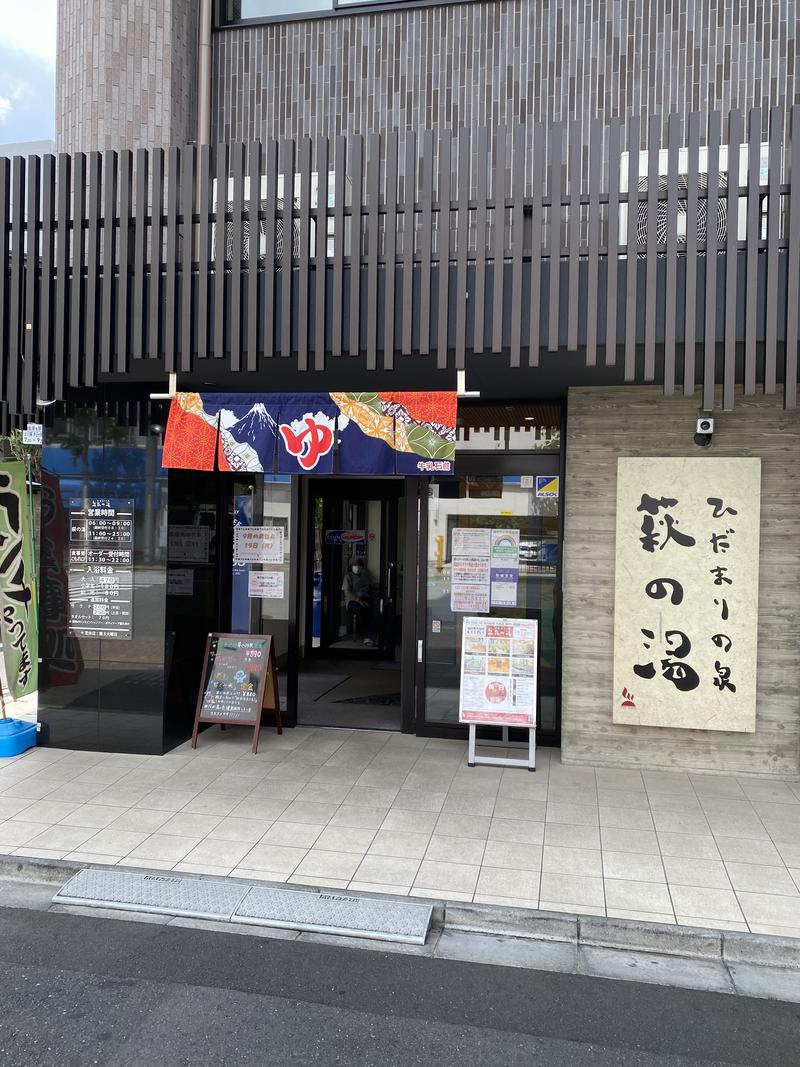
x: 499, y: 631
x: 496, y: 692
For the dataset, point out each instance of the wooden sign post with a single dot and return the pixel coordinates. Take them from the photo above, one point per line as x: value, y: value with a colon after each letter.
x: 239, y: 681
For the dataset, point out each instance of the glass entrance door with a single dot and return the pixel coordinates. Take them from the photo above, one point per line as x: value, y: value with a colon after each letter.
x: 501, y: 510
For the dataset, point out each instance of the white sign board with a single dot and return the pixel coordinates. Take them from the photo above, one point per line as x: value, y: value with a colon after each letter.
x: 180, y: 581
x: 187, y: 544
x: 470, y: 578
x: 33, y: 434
x: 498, y: 672
x: 686, y: 602
x: 504, y: 568
x: 267, y: 584
x: 257, y: 544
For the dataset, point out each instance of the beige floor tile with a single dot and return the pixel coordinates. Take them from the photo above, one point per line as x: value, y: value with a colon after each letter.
x: 790, y: 854
x: 399, y: 843
x: 377, y: 887
x: 371, y: 797
x: 782, y: 831
x: 688, y: 846
x: 417, y: 822
x: 320, y: 864
x: 570, y: 909
x: 519, y: 830
x: 455, y: 849
x: 706, y: 903
x: 708, y: 874
x: 642, y: 896
x: 774, y: 811
x: 387, y: 870
x: 795, y: 873
x: 323, y: 793
x: 582, y: 861
x: 463, y: 825
x: 159, y: 799
x: 612, y: 778
x: 267, y: 857
x: 744, y: 850
x: 770, y: 909
x: 528, y: 903
x: 725, y: 806
x: 40, y: 853
x: 80, y: 856
x: 49, y: 811
x: 9, y: 806
x: 253, y: 874
x: 62, y: 838
x: 219, y: 853
x: 633, y: 866
x: 681, y: 822
x: 265, y: 808
x: 345, y: 839
x: 713, y: 785
x: 751, y: 878
x: 712, y: 924
x: 572, y: 836
x: 231, y: 828
x: 76, y: 792
x: 675, y: 802
x: 361, y: 818
x: 165, y: 847
x: 629, y: 840
x: 114, y: 842
x: 763, y: 791
x: 95, y: 816
x: 16, y: 832
x: 186, y: 824
x: 642, y: 916
x: 519, y: 809
x: 667, y: 782
x: 626, y: 819
x: 141, y: 820
x: 572, y: 814
x: 737, y: 826
x: 572, y: 889
x: 311, y: 881
x: 277, y: 789
x: 506, y: 882
x: 776, y: 931
x: 30, y: 789
x: 305, y: 811
x: 469, y: 804
x: 296, y: 834
x: 211, y: 804
x: 202, y: 868
x: 414, y: 800
x: 630, y: 800
x: 439, y: 877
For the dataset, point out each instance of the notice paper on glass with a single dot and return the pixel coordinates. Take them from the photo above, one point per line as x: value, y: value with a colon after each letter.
x: 257, y: 544
x: 180, y: 581
x: 470, y: 570
x: 504, y: 568
x: 498, y: 672
x: 267, y: 584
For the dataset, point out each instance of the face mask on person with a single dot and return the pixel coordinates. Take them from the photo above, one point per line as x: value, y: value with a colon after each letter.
x: 356, y: 569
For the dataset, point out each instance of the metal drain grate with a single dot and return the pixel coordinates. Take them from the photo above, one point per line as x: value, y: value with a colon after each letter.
x: 328, y: 912
x: 202, y: 898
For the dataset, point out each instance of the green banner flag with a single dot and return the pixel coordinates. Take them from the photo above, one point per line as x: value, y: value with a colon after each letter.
x: 17, y: 584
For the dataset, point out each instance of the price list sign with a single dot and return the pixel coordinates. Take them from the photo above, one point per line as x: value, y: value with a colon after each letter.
x: 239, y: 673
x: 101, y: 567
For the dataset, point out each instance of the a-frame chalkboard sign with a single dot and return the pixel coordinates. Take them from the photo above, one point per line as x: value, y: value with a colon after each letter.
x: 239, y: 681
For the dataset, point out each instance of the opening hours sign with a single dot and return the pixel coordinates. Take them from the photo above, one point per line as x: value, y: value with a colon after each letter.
x: 686, y: 593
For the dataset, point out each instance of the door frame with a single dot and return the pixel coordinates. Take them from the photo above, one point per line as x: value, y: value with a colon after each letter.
x: 483, y: 464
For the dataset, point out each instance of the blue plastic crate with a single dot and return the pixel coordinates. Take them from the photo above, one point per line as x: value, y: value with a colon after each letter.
x: 16, y: 736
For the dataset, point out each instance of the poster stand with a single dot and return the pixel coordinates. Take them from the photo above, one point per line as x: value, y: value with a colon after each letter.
x: 239, y: 710
x: 501, y: 761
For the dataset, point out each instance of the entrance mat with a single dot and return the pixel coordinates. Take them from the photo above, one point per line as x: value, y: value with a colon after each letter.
x: 202, y: 898
x: 383, y: 700
x: 328, y: 912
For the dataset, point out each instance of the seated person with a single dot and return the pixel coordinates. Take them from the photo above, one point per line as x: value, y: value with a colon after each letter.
x: 356, y: 588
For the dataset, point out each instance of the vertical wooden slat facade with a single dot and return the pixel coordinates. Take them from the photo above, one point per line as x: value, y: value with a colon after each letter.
x: 433, y: 252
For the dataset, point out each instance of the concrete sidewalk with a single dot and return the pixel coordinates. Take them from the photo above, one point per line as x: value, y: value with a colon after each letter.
x: 392, y: 813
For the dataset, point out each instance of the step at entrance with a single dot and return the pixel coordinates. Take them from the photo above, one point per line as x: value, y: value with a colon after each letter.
x: 323, y: 911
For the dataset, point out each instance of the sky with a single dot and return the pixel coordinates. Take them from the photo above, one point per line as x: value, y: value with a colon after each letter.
x: 27, y: 70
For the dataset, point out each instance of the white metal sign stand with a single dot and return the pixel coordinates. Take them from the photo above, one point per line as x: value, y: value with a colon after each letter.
x: 500, y: 761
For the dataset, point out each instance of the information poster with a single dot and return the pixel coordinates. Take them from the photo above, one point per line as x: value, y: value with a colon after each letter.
x: 236, y: 668
x: 180, y: 581
x: 266, y: 584
x: 101, y: 567
x: 470, y: 580
x: 504, y: 568
x: 498, y: 672
x: 257, y: 544
x: 187, y: 544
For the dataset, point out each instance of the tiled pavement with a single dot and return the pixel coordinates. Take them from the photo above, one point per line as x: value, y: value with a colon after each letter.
x: 399, y: 814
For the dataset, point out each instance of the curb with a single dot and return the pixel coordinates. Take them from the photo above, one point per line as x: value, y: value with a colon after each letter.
x: 589, y: 931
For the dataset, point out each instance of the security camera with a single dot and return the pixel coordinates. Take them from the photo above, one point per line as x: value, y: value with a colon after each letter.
x: 704, y: 430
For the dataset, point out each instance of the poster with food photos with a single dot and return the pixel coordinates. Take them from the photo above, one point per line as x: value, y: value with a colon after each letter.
x: 686, y: 592
x: 498, y: 671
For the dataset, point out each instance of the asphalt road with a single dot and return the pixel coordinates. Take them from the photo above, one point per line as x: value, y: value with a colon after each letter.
x: 80, y: 990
